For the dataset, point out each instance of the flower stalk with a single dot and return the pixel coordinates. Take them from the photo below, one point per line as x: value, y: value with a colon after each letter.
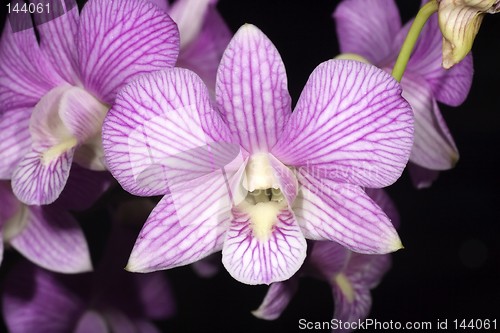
x: 411, y: 39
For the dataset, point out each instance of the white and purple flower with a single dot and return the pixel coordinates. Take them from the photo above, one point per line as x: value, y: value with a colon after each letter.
x: 55, y: 94
x: 350, y: 275
x: 378, y: 38
x: 248, y: 176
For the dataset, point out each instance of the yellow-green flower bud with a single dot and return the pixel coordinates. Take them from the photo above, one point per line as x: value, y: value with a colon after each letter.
x: 459, y: 21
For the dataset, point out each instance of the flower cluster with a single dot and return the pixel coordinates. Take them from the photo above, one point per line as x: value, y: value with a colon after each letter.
x: 160, y: 99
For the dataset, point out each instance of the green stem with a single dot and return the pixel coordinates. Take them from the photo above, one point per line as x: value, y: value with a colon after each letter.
x: 411, y: 39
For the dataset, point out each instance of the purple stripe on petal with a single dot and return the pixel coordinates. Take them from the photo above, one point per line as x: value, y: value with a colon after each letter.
x: 277, y: 299
x: 343, y: 213
x: 160, y: 124
x: 15, y: 140
x: 162, y: 4
x: 382, y: 199
x: 328, y: 258
x: 370, y: 36
x: 148, y: 41
x: 164, y: 243
x: 251, y: 89
x: 203, y: 55
x: 81, y: 113
x: 91, y: 321
x: 40, y: 181
x: 368, y: 270
x: 25, y: 73
x: 253, y: 258
x: 58, y: 35
x: 189, y: 16
x: 351, y: 304
x: 350, y: 124
x: 53, y: 239
x: 433, y: 147
x: 35, y: 300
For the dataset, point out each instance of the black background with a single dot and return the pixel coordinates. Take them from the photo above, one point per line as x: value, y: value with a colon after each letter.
x: 450, y: 267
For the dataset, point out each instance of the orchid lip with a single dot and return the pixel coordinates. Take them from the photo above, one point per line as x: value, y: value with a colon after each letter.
x: 54, y: 152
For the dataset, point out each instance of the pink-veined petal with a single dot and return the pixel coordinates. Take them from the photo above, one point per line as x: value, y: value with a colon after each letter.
x: 165, y: 243
x: 161, y: 123
x: 343, y: 213
x: 368, y: 270
x: 91, y: 321
x: 10, y: 204
x: 422, y: 177
x: 162, y: 4
x: 327, y: 258
x: 350, y: 124
x: 58, y: 28
x: 36, y: 181
x: 370, y: 36
x: 15, y: 140
x: 252, y: 91
x: 35, y: 300
x: 433, y: 146
x: 352, y: 300
x: 255, y: 256
x: 81, y: 113
x: 189, y: 16
x: 385, y: 202
x: 25, y: 73
x: 148, y: 41
x: 203, y: 55
x: 449, y: 86
x: 54, y: 240
x: 277, y: 299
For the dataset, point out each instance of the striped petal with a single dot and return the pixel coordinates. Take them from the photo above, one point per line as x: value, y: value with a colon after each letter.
x: 149, y: 41
x: 25, y: 73
x: 165, y: 243
x: 53, y: 239
x: 203, y: 55
x: 382, y: 199
x: 352, y: 300
x: 251, y: 90
x: 343, y: 213
x: 15, y: 139
x: 58, y: 28
x: 449, y: 86
x: 370, y: 36
x: 434, y: 147
x: 35, y: 300
x: 163, y: 125
x: 37, y: 181
x: 327, y: 259
x: 277, y: 299
x: 189, y: 16
x: 350, y: 124
x: 264, y: 245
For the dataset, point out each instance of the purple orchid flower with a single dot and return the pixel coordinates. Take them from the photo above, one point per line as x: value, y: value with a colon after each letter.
x: 350, y: 275
x: 54, y: 94
x: 248, y: 176
x: 36, y: 300
x: 50, y: 236
x: 203, y: 36
x: 424, y: 83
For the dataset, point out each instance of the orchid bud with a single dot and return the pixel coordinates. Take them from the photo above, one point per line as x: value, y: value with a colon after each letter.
x: 459, y: 21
